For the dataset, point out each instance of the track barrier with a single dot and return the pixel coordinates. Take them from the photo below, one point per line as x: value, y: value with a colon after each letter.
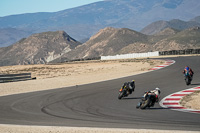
x: 180, y: 52
x: 128, y: 56
x: 15, y: 77
x: 150, y: 54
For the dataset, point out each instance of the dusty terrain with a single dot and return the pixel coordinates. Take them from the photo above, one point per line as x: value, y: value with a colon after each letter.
x: 69, y: 74
x: 192, y: 101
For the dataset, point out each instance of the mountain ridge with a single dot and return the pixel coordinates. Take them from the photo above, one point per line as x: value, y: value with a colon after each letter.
x: 39, y: 48
x: 89, y: 19
x: 58, y: 46
x: 158, y: 26
x: 112, y: 41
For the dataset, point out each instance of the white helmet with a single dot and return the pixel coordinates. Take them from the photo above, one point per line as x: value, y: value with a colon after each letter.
x: 158, y: 89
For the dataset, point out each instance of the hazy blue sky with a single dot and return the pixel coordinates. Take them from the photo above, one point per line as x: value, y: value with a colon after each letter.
x: 11, y: 7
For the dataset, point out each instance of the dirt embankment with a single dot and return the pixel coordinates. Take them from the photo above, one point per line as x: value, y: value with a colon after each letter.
x: 191, y: 101
x: 70, y: 74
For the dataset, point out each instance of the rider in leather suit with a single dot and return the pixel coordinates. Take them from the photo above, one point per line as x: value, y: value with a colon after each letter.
x: 156, y: 92
x: 189, y: 70
x: 130, y: 86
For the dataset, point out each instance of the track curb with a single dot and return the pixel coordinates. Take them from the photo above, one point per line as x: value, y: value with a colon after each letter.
x: 167, y: 63
x: 172, y: 101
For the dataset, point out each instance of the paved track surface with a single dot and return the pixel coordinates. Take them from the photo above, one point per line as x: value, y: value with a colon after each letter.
x: 96, y: 105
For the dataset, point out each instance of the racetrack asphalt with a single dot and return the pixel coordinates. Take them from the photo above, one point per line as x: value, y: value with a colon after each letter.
x: 97, y: 105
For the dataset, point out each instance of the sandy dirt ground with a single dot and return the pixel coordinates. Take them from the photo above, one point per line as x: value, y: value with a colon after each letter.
x: 191, y: 101
x: 70, y: 74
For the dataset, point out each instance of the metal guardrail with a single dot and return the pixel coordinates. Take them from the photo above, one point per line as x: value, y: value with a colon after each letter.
x: 15, y: 77
x: 180, y: 52
x: 83, y: 59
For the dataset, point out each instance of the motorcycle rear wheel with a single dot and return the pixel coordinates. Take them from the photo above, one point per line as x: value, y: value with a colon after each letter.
x: 145, y: 103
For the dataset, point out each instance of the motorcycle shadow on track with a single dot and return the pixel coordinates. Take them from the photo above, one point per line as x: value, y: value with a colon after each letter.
x: 195, y: 84
x: 129, y: 98
x: 148, y: 108
x: 155, y: 108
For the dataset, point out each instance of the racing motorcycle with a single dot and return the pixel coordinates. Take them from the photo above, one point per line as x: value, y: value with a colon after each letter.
x: 148, y: 100
x: 123, y: 92
x: 188, y: 78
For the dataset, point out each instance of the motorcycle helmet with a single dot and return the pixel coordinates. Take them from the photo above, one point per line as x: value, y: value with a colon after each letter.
x: 158, y: 89
x: 187, y: 68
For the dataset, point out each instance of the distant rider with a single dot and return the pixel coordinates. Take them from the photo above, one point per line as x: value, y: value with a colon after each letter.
x: 188, y: 70
x: 130, y: 86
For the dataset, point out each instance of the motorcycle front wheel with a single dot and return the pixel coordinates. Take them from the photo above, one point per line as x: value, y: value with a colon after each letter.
x: 121, y: 94
x: 187, y: 80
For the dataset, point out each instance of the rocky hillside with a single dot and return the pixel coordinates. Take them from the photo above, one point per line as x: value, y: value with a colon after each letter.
x: 59, y: 46
x: 38, y: 49
x: 112, y: 41
x: 186, y: 39
x: 167, y: 32
x: 158, y: 26
x: 108, y: 41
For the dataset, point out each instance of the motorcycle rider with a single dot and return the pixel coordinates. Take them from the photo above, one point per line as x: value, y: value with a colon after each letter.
x: 188, y: 70
x: 130, y: 86
x: 156, y: 92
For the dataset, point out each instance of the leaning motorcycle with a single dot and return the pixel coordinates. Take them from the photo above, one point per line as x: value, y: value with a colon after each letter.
x: 188, y: 79
x: 123, y: 92
x: 148, y: 100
